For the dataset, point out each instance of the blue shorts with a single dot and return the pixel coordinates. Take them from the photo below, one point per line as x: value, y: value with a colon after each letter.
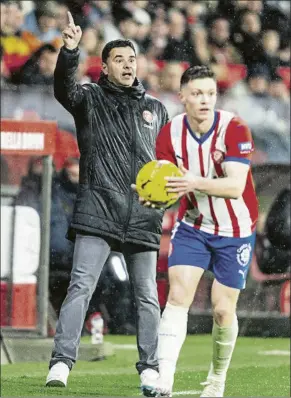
x: 228, y: 258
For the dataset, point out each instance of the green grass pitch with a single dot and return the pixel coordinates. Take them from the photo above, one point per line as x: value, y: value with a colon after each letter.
x: 260, y: 368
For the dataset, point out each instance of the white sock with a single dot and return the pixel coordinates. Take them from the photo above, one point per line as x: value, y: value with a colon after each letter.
x: 224, y: 339
x: 172, y: 334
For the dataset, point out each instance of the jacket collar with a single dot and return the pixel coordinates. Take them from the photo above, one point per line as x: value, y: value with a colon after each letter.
x: 136, y: 91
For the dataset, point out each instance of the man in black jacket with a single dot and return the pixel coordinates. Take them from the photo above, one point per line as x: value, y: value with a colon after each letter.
x: 117, y: 125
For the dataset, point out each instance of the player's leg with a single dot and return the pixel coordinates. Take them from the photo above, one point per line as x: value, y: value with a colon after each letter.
x: 230, y: 271
x: 188, y: 258
x: 90, y: 255
x: 224, y: 335
x: 141, y: 265
x: 183, y: 281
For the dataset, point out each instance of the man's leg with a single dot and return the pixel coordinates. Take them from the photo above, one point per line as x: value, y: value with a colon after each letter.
x: 224, y: 335
x: 90, y: 255
x: 141, y: 265
x: 188, y: 258
x: 183, y: 280
x: 232, y: 258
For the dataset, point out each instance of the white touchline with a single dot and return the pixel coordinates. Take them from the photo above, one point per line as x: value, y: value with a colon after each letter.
x: 192, y: 392
x: 275, y: 352
x: 125, y: 346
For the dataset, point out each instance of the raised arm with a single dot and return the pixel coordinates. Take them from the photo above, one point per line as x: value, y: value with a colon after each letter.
x: 67, y: 91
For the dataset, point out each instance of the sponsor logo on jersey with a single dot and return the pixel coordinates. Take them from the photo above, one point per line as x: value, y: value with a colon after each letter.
x: 245, y: 147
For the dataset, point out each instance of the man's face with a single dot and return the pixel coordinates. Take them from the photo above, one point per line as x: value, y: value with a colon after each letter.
x: 120, y: 66
x: 258, y: 84
x: 47, y: 63
x: 73, y: 173
x: 171, y: 77
x: 199, y: 98
x: 47, y: 23
x: 220, y: 30
x: 3, y: 15
x: 15, y: 17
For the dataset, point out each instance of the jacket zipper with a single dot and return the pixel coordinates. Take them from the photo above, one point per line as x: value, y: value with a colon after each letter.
x: 132, y: 174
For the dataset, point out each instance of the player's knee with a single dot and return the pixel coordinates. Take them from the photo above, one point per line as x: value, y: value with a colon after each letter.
x: 223, y: 313
x: 179, y: 297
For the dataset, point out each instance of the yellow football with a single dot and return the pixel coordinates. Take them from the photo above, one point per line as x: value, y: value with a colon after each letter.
x: 151, y: 183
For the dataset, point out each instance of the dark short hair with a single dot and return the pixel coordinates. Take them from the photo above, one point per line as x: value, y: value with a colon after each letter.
x: 196, y: 72
x: 115, y: 44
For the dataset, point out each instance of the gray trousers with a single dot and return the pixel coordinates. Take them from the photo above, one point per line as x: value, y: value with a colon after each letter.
x: 90, y: 255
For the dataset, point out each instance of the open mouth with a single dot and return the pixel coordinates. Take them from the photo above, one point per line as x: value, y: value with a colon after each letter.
x: 127, y: 74
x: 204, y: 109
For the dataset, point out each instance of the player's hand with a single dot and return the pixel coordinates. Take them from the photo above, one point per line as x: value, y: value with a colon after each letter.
x: 71, y: 34
x: 142, y: 201
x: 182, y: 185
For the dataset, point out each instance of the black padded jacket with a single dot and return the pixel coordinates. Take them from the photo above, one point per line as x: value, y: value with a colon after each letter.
x: 116, y: 132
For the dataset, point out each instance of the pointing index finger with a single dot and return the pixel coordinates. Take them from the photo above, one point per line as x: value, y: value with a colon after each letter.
x: 71, y: 19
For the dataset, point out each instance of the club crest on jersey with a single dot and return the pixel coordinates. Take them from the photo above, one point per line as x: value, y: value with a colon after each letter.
x: 148, y: 116
x: 217, y: 156
x: 243, y: 254
x: 245, y: 147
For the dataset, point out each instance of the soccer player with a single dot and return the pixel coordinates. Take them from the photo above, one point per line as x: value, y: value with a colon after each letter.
x: 216, y: 223
x: 117, y: 125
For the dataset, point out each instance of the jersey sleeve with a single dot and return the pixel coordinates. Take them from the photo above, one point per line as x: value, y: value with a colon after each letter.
x: 164, y: 147
x: 239, y: 142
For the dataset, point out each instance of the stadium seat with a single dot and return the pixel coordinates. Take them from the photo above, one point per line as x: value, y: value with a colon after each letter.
x: 284, y: 72
x: 20, y: 244
x: 94, y: 67
x: 14, y: 61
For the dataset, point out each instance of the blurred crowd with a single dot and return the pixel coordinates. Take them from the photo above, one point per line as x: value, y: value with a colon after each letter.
x: 246, y: 42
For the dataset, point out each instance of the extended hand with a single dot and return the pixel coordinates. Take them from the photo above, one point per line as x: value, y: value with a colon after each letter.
x: 71, y: 34
x: 182, y: 185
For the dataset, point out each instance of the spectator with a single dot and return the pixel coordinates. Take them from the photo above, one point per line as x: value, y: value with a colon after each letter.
x: 61, y: 16
x: 3, y: 69
x: 278, y: 89
x: 143, y: 21
x: 247, y: 38
x: 81, y: 74
x: 12, y: 39
x: 97, y: 12
x: 142, y: 69
x: 64, y: 192
x: 4, y: 169
x: 42, y: 22
x: 92, y: 42
x: 270, y: 50
x: 179, y: 46
x: 30, y: 188
x: 39, y: 69
x: 3, y: 15
x: 170, y: 87
x: 124, y: 26
x: 267, y: 118
x: 220, y: 47
x: 155, y: 43
x: 153, y: 78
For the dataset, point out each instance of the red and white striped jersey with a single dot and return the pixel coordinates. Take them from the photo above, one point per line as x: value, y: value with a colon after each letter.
x: 229, y: 139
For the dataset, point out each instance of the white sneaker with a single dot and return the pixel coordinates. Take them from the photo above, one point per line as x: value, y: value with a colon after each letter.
x: 164, y: 388
x: 58, y: 375
x: 213, y: 388
x: 148, y: 378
